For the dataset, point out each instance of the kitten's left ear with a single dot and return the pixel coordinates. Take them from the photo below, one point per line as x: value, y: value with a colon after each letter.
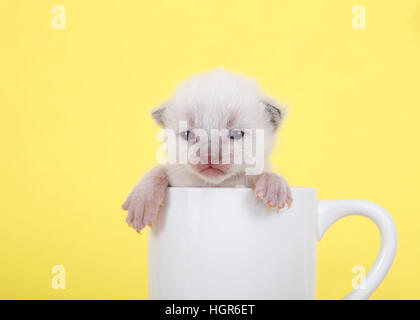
x: 275, y: 112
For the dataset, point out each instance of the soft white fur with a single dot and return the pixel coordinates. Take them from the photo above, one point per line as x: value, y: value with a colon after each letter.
x: 215, y: 100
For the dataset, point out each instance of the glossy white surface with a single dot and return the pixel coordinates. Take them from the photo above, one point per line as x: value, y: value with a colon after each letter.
x: 218, y: 243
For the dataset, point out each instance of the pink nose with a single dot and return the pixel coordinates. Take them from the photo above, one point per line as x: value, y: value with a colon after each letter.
x: 210, y: 158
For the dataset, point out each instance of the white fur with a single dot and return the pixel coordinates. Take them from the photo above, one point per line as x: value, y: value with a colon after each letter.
x: 215, y: 100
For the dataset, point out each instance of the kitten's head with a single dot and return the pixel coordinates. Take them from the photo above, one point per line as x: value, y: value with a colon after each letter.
x: 217, y: 116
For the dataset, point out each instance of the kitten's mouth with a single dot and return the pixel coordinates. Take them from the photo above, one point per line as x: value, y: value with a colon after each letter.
x: 211, y: 171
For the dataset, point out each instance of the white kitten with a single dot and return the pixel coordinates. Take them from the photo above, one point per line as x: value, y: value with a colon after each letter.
x: 235, y: 107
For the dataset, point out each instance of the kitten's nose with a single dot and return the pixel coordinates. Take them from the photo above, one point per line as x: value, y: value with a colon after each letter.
x: 214, y: 153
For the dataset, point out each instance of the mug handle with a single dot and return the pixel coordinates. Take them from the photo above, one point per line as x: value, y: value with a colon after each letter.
x: 330, y: 211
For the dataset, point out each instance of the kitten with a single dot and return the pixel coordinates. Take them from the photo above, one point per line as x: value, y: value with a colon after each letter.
x: 212, y: 112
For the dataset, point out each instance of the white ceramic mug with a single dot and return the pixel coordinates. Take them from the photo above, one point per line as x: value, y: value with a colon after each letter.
x: 219, y: 243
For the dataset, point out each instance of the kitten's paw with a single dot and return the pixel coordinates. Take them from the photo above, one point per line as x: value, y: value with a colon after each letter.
x: 273, y: 190
x: 145, y: 200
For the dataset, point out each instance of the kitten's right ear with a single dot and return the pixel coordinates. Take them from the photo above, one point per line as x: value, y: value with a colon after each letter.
x: 159, y: 114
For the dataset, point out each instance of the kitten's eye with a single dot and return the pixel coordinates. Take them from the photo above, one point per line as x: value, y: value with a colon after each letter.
x: 188, y: 135
x: 236, y: 134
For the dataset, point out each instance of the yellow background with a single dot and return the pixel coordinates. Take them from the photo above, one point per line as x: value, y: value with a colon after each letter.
x: 76, y: 132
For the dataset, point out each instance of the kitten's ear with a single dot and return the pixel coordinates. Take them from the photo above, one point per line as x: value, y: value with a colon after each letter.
x: 275, y: 112
x: 158, y: 114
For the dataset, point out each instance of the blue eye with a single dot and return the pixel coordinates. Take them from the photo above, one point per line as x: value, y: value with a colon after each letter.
x: 188, y: 135
x: 236, y: 134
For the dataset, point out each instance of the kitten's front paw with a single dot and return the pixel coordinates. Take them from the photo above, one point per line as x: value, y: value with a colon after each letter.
x: 273, y: 190
x: 145, y: 200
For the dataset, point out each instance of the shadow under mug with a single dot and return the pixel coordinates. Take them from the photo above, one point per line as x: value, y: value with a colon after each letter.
x: 219, y: 243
